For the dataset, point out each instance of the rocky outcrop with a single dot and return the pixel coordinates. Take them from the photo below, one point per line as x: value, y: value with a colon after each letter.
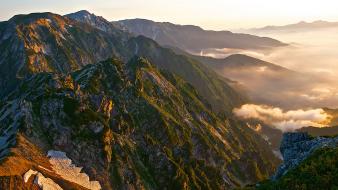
x: 296, y: 147
x: 63, y: 166
x: 40, y: 180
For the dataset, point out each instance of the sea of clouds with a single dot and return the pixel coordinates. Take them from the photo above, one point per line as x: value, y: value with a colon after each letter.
x: 312, y: 54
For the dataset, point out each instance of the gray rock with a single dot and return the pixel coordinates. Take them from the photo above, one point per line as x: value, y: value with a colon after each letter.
x: 296, y: 147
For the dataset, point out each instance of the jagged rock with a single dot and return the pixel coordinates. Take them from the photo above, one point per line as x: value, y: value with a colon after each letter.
x: 63, y: 166
x: 43, y: 182
x: 46, y: 183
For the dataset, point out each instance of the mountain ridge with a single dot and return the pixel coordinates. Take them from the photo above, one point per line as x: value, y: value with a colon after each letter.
x: 193, y: 38
x: 132, y: 124
x: 302, y: 25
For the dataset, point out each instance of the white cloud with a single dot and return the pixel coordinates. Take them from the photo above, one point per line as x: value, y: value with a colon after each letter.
x: 284, y: 120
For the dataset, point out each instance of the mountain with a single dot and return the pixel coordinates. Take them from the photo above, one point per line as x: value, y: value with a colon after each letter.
x: 128, y: 125
x: 309, y: 163
x: 85, y: 105
x: 241, y: 61
x: 46, y: 42
x: 300, y: 26
x: 193, y: 38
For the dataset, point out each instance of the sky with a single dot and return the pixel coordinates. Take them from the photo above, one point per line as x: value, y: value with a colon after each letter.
x: 210, y: 14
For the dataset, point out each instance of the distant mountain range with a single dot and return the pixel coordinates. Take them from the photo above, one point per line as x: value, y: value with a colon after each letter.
x: 193, y: 38
x: 319, y: 24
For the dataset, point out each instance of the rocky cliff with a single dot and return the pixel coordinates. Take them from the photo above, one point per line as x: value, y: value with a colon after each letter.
x: 296, y: 147
x: 309, y: 163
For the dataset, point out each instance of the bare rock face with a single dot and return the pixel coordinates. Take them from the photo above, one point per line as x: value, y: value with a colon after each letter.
x: 63, y: 166
x: 43, y: 182
x: 296, y: 147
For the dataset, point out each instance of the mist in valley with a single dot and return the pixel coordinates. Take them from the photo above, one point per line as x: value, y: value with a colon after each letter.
x: 309, y: 83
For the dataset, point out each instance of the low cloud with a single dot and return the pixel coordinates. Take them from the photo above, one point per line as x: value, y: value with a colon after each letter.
x: 284, y: 120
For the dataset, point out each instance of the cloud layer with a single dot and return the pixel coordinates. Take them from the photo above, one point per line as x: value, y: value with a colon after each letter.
x: 284, y: 120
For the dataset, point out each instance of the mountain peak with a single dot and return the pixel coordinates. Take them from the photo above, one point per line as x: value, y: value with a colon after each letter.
x: 98, y: 22
x: 83, y: 12
x: 80, y: 15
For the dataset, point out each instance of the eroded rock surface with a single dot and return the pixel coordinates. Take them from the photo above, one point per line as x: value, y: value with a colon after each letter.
x: 63, y: 166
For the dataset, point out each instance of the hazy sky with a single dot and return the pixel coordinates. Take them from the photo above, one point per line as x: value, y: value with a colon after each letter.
x: 210, y: 14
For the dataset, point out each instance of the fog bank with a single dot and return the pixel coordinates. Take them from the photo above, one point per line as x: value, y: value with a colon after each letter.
x: 312, y: 54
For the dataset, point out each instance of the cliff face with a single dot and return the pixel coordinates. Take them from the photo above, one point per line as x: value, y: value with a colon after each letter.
x: 296, y: 147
